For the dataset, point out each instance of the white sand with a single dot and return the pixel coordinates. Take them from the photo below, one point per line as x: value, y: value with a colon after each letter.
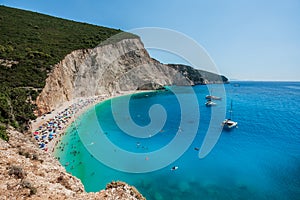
x: 40, y: 121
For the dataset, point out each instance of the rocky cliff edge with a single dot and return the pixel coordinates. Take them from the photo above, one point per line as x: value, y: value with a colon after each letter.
x: 111, y: 68
x: 29, y: 173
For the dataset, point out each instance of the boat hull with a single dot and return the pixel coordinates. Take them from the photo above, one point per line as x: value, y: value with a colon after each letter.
x: 229, y: 124
x: 213, y: 97
x: 208, y: 104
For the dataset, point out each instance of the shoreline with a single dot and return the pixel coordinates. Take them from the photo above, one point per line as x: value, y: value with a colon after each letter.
x: 54, y: 125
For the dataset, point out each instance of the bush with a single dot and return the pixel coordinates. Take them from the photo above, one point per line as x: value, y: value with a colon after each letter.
x: 3, y: 133
x: 33, y: 191
x: 17, y: 172
x: 27, y: 184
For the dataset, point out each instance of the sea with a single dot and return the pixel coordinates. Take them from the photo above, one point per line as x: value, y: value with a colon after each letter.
x: 260, y: 159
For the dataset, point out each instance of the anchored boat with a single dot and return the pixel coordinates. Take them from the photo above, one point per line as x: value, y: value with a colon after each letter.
x: 210, y: 103
x: 229, y: 123
x: 211, y: 97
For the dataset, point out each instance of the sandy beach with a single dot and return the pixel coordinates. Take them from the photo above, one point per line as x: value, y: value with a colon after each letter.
x: 48, y: 128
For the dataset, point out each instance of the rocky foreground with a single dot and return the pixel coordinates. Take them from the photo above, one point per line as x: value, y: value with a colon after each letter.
x: 27, y: 172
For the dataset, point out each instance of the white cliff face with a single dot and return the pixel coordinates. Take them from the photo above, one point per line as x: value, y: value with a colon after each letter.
x: 107, y: 69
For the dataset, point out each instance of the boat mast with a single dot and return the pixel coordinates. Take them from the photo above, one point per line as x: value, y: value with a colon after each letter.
x: 231, y: 110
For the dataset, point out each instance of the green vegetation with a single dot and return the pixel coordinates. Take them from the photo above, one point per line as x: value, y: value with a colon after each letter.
x: 30, y: 45
x: 199, y: 76
x: 3, y: 134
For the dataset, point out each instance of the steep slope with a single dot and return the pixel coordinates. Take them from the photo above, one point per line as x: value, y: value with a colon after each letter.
x: 108, y: 69
x: 30, y: 45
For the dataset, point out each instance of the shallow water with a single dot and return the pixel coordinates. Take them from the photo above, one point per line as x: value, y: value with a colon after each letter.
x: 259, y: 160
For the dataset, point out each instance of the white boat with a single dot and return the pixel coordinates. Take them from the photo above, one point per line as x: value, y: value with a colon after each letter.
x: 210, y: 103
x: 211, y: 97
x: 229, y: 123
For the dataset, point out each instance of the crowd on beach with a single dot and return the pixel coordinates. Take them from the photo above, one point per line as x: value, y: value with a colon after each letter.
x: 54, y: 126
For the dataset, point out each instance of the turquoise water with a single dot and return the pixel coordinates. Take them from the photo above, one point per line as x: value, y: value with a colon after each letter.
x: 259, y: 160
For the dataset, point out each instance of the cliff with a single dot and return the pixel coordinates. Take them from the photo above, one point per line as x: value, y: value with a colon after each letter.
x: 122, y: 66
x: 199, y: 77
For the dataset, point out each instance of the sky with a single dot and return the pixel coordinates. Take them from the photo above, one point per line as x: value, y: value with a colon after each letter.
x: 247, y: 40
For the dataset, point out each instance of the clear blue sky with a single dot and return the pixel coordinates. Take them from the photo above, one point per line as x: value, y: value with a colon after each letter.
x: 249, y: 40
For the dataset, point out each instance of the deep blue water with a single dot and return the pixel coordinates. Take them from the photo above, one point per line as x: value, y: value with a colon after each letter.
x: 258, y: 160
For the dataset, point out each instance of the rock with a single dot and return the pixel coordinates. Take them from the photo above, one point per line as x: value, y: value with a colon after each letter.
x: 110, y: 69
x: 150, y: 86
x: 199, y: 76
x: 23, y: 177
x: 121, y: 190
x: 8, y: 63
x: 183, y: 186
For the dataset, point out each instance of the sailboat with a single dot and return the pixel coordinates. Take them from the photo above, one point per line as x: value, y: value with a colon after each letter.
x: 229, y: 123
x: 210, y: 103
x: 211, y: 97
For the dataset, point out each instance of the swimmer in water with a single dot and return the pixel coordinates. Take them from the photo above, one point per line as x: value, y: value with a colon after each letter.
x: 92, y: 143
x: 138, y: 144
x: 174, y: 168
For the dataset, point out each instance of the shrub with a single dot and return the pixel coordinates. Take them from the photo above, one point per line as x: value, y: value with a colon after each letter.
x: 17, y: 172
x: 3, y: 133
x: 27, y: 184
